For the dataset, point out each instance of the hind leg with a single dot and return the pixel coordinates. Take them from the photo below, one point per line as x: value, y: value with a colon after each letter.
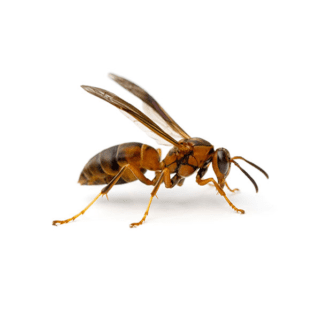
x: 136, y: 171
x: 104, y: 191
x: 140, y: 176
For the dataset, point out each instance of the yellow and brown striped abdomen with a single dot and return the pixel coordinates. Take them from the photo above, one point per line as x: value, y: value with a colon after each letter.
x: 101, y: 168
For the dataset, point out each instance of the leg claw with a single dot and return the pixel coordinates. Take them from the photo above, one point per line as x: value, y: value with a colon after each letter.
x: 133, y: 225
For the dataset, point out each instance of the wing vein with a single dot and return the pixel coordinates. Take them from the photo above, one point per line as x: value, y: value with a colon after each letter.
x: 132, y: 111
x: 152, y: 107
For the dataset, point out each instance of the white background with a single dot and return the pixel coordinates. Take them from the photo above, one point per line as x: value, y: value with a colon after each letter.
x: 244, y: 75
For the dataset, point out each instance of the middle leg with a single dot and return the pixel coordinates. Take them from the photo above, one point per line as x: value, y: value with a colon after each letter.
x: 153, y: 194
x: 232, y: 190
x: 169, y: 183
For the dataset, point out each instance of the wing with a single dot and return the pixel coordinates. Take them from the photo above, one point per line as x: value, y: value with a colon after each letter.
x: 134, y: 114
x: 152, y: 108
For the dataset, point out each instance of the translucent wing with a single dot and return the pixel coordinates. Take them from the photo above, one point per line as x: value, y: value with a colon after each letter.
x: 152, y: 108
x: 150, y: 133
x: 134, y: 114
x: 152, y: 114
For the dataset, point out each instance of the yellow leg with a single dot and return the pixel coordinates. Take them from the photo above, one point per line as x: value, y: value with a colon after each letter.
x: 153, y: 194
x: 220, y: 191
x: 157, y: 175
x: 181, y: 182
x: 104, y: 191
x: 232, y: 190
x: 54, y: 223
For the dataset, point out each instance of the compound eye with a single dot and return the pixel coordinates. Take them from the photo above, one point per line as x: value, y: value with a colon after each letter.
x: 223, y: 161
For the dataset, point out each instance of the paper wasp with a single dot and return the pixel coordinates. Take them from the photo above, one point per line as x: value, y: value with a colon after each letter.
x: 129, y: 161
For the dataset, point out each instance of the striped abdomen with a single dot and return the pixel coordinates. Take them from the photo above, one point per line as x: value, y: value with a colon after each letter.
x: 101, y: 168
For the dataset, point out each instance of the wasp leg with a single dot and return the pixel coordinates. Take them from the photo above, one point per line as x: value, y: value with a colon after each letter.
x: 170, y: 183
x: 153, y: 194
x: 220, y: 191
x: 159, y: 152
x: 141, y: 177
x: 104, y: 191
x: 232, y: 190
x: 181, y: 182
x: 157, y: 175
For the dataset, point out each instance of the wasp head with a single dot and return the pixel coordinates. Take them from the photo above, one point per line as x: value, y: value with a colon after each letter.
x: 222, y: 166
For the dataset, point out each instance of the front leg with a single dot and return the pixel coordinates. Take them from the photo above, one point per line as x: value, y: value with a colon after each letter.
x: 202, y: 182
x: 232, y: 190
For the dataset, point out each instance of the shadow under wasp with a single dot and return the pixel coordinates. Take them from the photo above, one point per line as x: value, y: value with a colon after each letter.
x: 129, y: 161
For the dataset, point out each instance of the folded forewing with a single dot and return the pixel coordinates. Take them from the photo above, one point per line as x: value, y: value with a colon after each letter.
x: 135, y: 115
x: 152, y: 108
